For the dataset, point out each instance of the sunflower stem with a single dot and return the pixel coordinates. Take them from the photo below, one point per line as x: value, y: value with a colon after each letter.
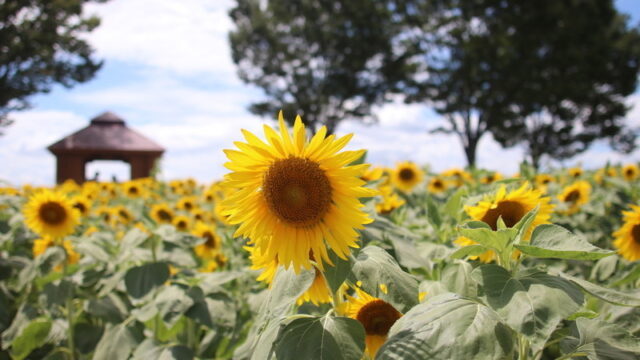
x: 69, y: 310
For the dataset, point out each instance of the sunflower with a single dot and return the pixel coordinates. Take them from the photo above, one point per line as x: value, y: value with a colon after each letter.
x: 512, y: 207
x: 181, y: 222
x: 50, y: 213
x: 211, y: 246
x: 41, y: 245
x: 575, y: 195
x: 458, y: 176
x: 630, y: 172
x: 82, y: 203
x: 437, y: 185
x: 372, y: 174
x: 106, y: 214
x: 376, y: 316
x: 123, y: 214
x: 294, y: 197
x: 406, y: 176
x: 390, y: 201
x: 187, y: 203
x: 575, y: 172
x: 162, y: 213
x: 72, y: 256
x: 485, y: 257
x: 627, y: 237
x: 133, y: 189
x: 318, y: 293
x: 491, y: 178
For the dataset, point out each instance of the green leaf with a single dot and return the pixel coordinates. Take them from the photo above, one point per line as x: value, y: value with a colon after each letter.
x: 604, y: 268
x: 553, y: 241
x: 286, y: 288
x: 457, y: 278
x: 86, y: 336
x: 469, y: 250
x: 336, y: 274
x: 218, y: 309
x: 609, y: 295
x: 172, y: 302
x: 109, y: 308
x: 56, y: 294
x: 454, y: 207
x: 374, y: 266
x: 598, y: 340
x: 117, y: 342
x: 327, y: 337
x: 432, y: 213
x: 133, y: 238
x: 481, y: 233
x: 447, y: 327
x: 176, y: 352
x: 533, y: 304
x: 140, y: 280
x: 32, y: 337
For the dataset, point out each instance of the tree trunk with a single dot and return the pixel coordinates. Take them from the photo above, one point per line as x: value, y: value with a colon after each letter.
x: 470, y: 151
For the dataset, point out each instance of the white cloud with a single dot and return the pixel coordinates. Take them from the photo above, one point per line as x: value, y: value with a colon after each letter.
x: 187, y: 36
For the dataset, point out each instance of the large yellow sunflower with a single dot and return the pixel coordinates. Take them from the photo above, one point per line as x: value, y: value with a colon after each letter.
x: 50, y: 213
x: 575, y: 195
x: 627, y: 237
x: 512, y: 207
x: 630, y: 172
x: 406, y: 176
x: 294, y: 196
x: 376, y: 316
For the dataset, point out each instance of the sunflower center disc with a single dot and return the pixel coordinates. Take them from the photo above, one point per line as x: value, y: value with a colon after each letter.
x: 377, y: 317
x: 573, y: 196
x: 164, y: 215
x: 80, y: 206
x: 635, y: 233
x: 211, y: 240
x: 52, y: 213
x: 510, y: 211
x: 297, y: 191
x: 406, y: 174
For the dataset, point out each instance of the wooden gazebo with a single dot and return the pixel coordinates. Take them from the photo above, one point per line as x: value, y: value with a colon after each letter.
x: 106, y: 138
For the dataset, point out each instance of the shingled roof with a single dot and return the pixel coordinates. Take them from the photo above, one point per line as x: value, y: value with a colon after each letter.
x: 107, y: 132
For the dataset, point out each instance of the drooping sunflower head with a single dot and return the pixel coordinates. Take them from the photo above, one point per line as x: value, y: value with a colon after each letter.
x: 296, y: 196
x: 376, y: 316
x: 182, y: 222
x: 437, y: 185
x: 51, y: 214
x: 406, y: 176
x: 630, y: 172
x: 162, y: 213
x: 512, y: 207
x: 627, y: 237
x: 575, y: 195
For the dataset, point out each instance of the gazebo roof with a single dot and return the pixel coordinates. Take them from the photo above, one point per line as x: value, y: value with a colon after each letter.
x: 107, y: 132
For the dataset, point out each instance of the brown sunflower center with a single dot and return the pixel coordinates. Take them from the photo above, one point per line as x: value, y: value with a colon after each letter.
x: 630, y: 172
x: 133, y: 190
x: 181, y: 225
x: 211, y: 239
x: 52, y: 213
x: 164, y: 215
x: 510, y: 211
x: 80, y: 206
x: 635, y: 233
x: 297, y: 191
x: 438, y: 184
x: 406, y: 174
x: 573, y: 196
x: 377, y: 317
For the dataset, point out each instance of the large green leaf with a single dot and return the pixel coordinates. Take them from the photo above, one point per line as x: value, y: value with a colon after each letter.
x: 216, y: 309
x: 457, y: 278
x: 172, y: 302
x: 117, y: 342
x: 374, y: 266
x: 140, y: 280
x: 287, y: 286
x: 448, y: 327
x: 32, y: 337
x: 86, y: 336
x: 533, y: 304
x: 598, y: 340
x: 553, y: 241
x: 323, y: 338
x: 609, y: 295
x: 481, y: 233
x: 337, y: 273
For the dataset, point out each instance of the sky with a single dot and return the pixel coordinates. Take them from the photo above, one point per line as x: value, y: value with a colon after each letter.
x: 168, y: 72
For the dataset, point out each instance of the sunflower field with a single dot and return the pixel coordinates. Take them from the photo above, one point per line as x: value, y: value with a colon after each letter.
x: 305, y: 251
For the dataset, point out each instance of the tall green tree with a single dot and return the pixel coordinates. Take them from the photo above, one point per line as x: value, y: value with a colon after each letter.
x: 549, y: 74
x: 327, y: 60
x: 41, y: 45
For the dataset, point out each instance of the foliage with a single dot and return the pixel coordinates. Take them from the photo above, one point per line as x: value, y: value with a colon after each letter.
x: 43, y: 45
x: 325, y: 60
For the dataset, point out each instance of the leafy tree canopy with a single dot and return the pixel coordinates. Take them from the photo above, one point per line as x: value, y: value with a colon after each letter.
x: 41, y: 45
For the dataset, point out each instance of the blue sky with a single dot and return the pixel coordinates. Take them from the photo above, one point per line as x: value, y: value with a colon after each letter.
x: 168, y: 73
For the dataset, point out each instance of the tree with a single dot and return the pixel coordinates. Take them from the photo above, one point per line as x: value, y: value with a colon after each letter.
x: 41, y: 45
x: 552, y: 74
x: 327, y: 60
